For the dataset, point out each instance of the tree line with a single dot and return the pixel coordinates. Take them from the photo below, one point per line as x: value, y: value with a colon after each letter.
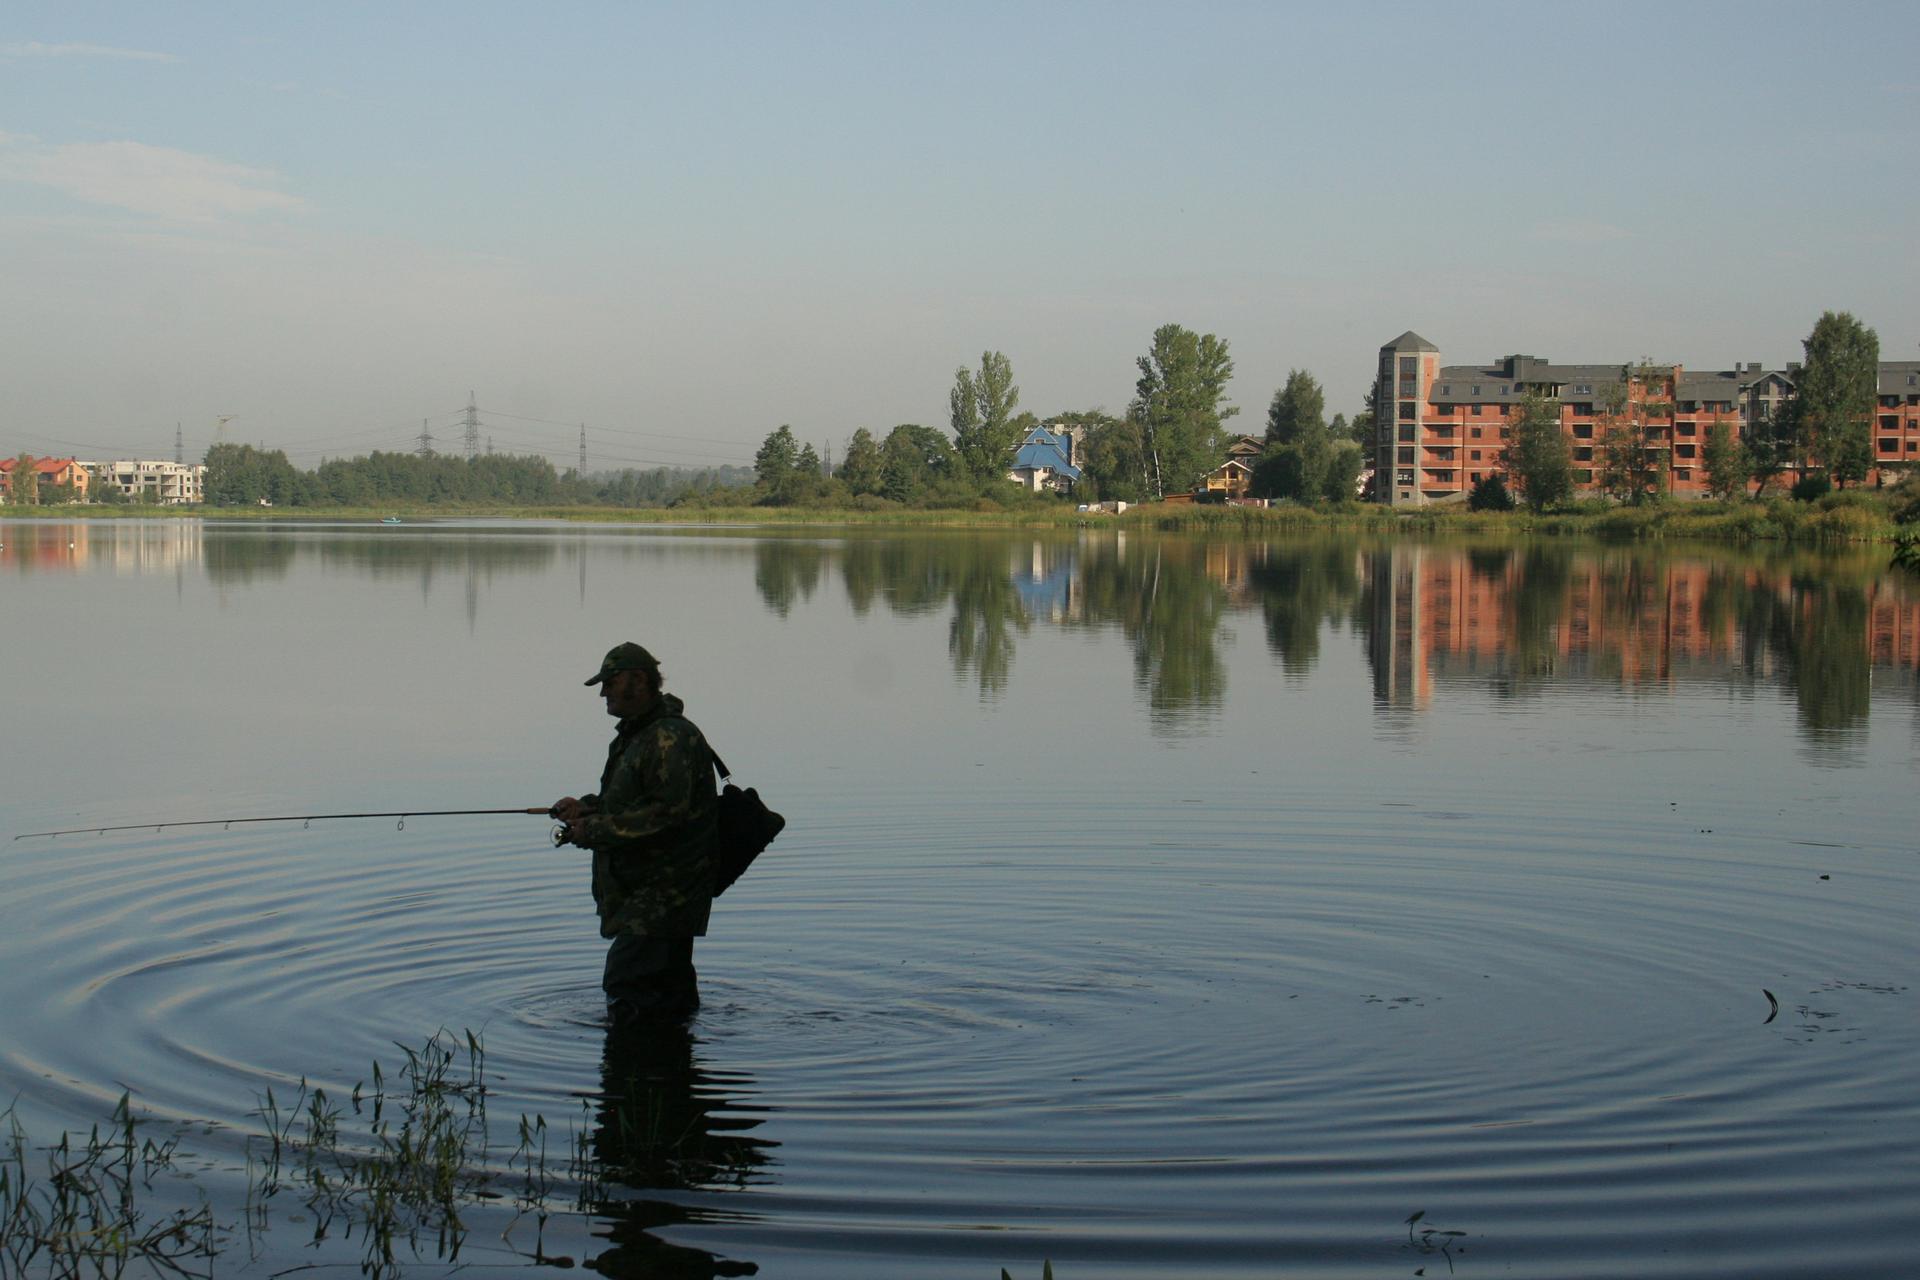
x: 1172, y: 434
x: 242, y: 475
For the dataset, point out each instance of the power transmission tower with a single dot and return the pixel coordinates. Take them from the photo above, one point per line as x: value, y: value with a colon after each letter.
x: 179, y: 446
x: 583, y: 449
x: 425, y: 439
x: 473, y: 429
x: 489, y: 446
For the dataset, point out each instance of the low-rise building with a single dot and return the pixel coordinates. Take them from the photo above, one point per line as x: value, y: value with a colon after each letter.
x: 169, y: 484
x: 50, y: 474
x: 1042, y: 462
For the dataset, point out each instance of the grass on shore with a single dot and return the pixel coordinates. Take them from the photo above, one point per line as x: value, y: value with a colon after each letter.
x: 1849, y: 516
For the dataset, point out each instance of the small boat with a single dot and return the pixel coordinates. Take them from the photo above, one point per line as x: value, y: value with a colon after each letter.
x: 389, y: 519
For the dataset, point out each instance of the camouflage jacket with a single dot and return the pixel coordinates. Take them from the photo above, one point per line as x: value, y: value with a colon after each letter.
x: 651, y: 827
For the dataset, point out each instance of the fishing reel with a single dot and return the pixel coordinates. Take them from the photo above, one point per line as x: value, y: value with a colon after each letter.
x: 559, y: 834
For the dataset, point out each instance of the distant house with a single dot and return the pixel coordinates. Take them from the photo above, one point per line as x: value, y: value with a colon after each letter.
x: 51, y: 472
x: 1042, y: 463
x: 1231, y: 479
x: 1247, y: 449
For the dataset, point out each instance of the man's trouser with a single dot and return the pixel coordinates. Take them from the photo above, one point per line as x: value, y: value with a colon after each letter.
x: 650, y: 978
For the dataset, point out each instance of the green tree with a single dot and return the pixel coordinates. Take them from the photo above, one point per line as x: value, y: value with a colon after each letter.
x: 981, y: 414
x: 1298, y: 407
x: 239, y: 475
x: 1633, y: 468
x: 862, y: 470
x: 1538, y: 459
x: 781, y: 470
x: 913, y: 460
x: 1178, y: 405
x: 1835, y: 395
x: 25, y: 481
x: 1770, y: 445
x: 1727, y: 462
x: 1490, y: 494
x: 1113, y: 461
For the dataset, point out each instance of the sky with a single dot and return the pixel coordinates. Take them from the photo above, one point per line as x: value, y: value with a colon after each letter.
x: 682, y: 226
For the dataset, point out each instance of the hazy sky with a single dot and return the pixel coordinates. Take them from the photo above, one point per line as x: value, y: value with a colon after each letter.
x: 684, y: 225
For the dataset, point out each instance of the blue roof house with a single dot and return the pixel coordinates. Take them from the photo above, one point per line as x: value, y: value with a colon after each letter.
x: 1041, y: 463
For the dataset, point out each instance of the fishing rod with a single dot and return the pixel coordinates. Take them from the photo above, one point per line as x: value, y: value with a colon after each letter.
x: 544, y: 811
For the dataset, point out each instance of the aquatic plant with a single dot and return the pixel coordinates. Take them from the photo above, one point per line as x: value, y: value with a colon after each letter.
x: 411, y: 1173
x: 85, y: 1216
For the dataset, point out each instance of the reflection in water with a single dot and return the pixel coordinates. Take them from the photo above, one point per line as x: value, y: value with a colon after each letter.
x: 1516, y: 620
x: 662, y: 1124
x: 787, y: 572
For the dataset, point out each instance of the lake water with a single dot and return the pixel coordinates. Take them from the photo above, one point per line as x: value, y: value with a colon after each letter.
x: 1154, y: 907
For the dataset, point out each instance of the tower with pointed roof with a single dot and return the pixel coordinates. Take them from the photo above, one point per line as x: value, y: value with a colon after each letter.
x: 1408, y: 366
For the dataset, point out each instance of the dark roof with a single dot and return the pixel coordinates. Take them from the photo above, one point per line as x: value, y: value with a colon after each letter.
x: 1410, y: 341
x: 1899, y: 377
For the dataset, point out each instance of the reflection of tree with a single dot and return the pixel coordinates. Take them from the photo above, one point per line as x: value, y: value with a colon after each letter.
x: 240, y: 557
x: 1826, y: 648
x: 659, y: 1124
x: 786, y: 571
x: 1537, y: 602
x: 912, y: 574
x: 1301, y: 589
x: 986, y: 610
x: 1163, y: 601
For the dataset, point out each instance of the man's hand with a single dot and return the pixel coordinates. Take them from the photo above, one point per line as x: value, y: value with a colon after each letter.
x: 569, y: 809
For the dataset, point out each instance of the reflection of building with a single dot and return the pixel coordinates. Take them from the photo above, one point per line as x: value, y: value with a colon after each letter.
x: 168, y: 484
x: 1441, y: 429
x: 1516, y: 617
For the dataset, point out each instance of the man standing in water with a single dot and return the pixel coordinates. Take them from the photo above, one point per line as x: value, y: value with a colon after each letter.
x: 650, y: 827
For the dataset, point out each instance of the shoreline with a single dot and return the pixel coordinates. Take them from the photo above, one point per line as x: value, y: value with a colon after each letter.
x: 1849, y: 517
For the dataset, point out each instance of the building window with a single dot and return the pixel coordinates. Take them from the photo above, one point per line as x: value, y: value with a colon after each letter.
x: 1476, y: 433
x: 1406, y: 455
x: 1476, y: 391
x: 1583, y: 455
x: 1406, y: 411
x: 1889, y: 446
x: 1504, y: 433
x: 1474, y: 455
x: 1403, y: 477
x: 1476, y: 477
x: 1406, y: 434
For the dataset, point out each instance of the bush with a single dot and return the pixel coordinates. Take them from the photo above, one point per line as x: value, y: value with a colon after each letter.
x: 1812, y: 488
x: 1846, y: 524
x: 1491, y: 494
x: 1863, y: 498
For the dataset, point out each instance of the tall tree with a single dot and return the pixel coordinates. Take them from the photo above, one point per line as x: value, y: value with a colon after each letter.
x: 862, y: 468
x: 1178, y: 405
x: 1836, y: 390
x: 1113, y: 460
x: 1727, y: 462
x: 25, y: 481
x: 981, y: 413
x: 1633, y: 467
x: 776, y: 457
x: 1298, y: 407
x: 913, y: 459
x: 1538, y: 459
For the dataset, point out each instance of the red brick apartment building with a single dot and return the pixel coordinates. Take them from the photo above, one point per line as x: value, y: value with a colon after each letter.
x: 1442, y: 428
